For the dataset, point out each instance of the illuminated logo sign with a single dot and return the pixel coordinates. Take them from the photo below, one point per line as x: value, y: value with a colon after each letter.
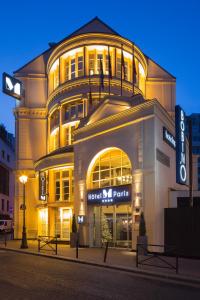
x: 169, y: 138
x: 80, y: 219
x: 181, y: 173
x: 12, y: 86
x: 110, y: 195
x: 42, y: 186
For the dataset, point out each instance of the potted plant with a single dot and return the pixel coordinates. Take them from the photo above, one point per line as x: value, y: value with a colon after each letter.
x: 74, y: 233
x: 142, y: 238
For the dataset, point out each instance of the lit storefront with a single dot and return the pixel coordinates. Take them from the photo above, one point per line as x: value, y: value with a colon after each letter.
x: 90, y: 138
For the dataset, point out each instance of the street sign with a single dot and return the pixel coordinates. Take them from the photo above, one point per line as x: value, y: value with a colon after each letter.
x: 80, y: 219
x: 12, y: 86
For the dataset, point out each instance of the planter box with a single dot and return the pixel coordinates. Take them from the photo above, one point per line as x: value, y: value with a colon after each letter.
x: 142, y: 247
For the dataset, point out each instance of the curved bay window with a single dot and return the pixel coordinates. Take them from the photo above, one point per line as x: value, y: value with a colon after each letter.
x: 110, y: 169
x: 64, y: 185
x: 83, y: 61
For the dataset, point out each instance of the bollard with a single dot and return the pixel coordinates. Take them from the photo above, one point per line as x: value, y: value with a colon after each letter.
x: 77, y: 244
x: 106, y: 252
x: 56, y: 246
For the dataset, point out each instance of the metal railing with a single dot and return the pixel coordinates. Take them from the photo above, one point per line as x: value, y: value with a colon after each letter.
x: 48, y: 243
x: 163, y: 257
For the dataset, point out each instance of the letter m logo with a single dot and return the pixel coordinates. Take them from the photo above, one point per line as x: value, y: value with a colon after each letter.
x: 107, y: 193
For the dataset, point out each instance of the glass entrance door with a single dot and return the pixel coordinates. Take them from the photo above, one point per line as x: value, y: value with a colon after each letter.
x: 113, y: 223
x: 63, y: 223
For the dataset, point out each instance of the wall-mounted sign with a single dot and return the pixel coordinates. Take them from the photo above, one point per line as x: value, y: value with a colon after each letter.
x: 169, y: 138
x: 12, y: 86
x: 110, y: 195
x: 42, y: 186
x: 80, y: 219
x: 181, y: 173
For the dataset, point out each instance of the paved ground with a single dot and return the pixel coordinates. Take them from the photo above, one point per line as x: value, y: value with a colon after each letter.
x: 27, y: 277
x: 120, y: 257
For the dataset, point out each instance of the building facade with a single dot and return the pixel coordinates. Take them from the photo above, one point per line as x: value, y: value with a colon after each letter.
x: 7, y: 163
x: 90, y: 138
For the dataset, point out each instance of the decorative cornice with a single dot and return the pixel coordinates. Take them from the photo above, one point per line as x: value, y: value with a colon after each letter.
x: 30, y: 113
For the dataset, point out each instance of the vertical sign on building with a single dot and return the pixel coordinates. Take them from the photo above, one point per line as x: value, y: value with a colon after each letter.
x: 42, y: 186
x: 181, y: 173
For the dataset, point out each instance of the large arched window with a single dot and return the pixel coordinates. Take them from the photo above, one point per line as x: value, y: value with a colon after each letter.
x: 110, y: 168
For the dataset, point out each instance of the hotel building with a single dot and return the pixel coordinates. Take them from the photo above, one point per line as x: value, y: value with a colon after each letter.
x: 91, y: 142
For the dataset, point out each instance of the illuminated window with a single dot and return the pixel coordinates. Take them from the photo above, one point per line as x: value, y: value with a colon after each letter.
x: 73, y: 111
x: 54, y: 76
x: 73, y: 69
x: 80, y: 66
x: 54, y: 119
x: 92, y: 64
x: 141, y: 78
x: 69, y: 134
x: 64, y: 185
x: 118, y: 67
x: 99, y: 59
x: 110, y: 169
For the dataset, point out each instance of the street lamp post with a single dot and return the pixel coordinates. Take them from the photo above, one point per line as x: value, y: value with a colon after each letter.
x: 24, y: 245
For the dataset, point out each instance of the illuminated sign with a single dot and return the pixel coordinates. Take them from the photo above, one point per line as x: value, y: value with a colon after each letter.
x: 169, y: 138
x: 110, y: 195
x: 12, y: 86
x: 80, y: 219
x: 42, y: 186
x: 181, y: 173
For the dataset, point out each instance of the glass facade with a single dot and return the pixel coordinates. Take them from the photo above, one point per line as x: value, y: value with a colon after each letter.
x: 110, y: 169
x: 83, y: 61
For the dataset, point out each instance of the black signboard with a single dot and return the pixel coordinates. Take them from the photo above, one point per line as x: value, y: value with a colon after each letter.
x: 12, y: 86
x: 181, y: 173
x: 42, y: 186
x: 110, y: 195
x: 169, y: 138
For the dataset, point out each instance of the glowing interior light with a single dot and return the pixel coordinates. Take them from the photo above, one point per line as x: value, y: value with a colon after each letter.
x: 55, y: 131
x: 9, y: 85
x: 55, y: 65
x: 17, y: 89
x: 97, y: 47
x: 141, y: 70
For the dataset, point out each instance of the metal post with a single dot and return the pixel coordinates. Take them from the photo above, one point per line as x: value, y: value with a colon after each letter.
x: 5, y: 238
x: 77, y: 244
x: 24, y: 244
x: 56, y: 246
x: 137, y: 256
x: 106, y: 252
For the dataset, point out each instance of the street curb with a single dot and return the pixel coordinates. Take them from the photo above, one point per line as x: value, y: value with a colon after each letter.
x: 172, y: 278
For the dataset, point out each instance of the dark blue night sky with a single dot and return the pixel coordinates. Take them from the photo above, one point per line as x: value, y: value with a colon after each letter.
x: 166, y: 31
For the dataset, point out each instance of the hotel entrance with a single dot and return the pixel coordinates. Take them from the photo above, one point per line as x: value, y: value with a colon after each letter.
x: 63, y: 223
x: 109, y: 198
x: 112, y: 223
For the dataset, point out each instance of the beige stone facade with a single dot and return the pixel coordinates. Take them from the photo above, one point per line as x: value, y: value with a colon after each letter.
x: 69, y: 119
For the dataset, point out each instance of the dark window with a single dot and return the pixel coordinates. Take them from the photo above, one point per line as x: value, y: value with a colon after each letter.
x: 2, y: 204
x: 8, y: 206
x: 4, y: 181
x: 2, y: 153
x: 8, y: 157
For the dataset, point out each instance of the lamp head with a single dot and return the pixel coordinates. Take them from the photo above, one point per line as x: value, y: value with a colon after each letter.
x: 23, y: 179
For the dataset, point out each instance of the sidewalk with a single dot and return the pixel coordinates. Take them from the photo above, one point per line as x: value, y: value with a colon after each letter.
x: 116, y: 258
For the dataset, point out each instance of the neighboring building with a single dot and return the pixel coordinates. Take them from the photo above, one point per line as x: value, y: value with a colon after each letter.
x: 93, y: 150
x: 7, y: 162
x: 195, y: 149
